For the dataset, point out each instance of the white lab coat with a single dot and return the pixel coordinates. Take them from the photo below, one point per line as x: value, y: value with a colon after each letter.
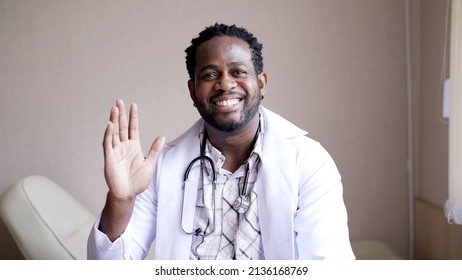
x: 301, y: 210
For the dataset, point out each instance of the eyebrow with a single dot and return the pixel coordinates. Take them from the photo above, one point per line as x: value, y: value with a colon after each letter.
x: 214, y: 66
x: 208, y: 66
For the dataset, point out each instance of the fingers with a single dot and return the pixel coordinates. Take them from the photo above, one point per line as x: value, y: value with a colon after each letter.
x: 107, y: 140
x: 114, y: 119
x: 119, y: 129
x: 155, y: 150
x: 118, y: 118
x: 133, y: 126
x: 123, y: 125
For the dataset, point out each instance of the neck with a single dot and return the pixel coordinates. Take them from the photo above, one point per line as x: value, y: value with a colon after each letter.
x: 235, y: 146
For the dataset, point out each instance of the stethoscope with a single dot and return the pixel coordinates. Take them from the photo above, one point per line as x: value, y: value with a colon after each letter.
x: 241, y: 203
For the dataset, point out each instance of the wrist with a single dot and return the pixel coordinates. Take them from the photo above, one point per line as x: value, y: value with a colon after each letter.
x: 118, y: 198
x: 116, y: 215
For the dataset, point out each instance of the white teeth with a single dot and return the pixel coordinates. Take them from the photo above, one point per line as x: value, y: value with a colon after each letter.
x: 230, y: 102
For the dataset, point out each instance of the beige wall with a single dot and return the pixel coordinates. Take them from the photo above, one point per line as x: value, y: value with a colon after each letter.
x: 433, y: 135
x: 434, y: 237
x: 336, y: 69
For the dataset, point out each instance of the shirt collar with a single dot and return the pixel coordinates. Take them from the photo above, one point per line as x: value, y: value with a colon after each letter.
x: 218, y: 158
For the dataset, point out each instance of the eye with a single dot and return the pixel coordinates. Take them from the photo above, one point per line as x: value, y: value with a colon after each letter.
x: 239, y: 73
x: 208, y: 76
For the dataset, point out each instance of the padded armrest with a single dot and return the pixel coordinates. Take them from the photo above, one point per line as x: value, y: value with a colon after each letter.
x: 45, y: 221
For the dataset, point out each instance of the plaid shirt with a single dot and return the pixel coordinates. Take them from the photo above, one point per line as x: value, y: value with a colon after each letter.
x: 227, y: 241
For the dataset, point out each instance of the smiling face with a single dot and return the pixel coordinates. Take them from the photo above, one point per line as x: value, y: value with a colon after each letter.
x: 226, y: 89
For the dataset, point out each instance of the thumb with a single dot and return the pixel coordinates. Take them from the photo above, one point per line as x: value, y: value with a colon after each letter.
x: 155, y: 149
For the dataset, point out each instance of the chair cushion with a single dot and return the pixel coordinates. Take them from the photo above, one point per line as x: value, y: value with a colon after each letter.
x: 45, y: 221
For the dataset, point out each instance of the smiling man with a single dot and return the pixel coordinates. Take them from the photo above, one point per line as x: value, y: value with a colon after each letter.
x: 241, y: 183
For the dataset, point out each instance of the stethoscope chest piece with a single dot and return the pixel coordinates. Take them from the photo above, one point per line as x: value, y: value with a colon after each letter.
x: 242, y: 203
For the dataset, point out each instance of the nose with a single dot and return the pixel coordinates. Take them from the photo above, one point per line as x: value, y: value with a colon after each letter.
x: 226, y: 82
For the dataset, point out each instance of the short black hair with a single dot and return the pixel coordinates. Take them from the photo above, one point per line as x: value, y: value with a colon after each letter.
x: 219, y: 29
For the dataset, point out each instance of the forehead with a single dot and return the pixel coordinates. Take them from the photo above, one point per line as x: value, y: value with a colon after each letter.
x: 223, y: 49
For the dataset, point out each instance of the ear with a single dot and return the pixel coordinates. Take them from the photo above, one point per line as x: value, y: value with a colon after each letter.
x: 192, y: 90
x: 262, y: 82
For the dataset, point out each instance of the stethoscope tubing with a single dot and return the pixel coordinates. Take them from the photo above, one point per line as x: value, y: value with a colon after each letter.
x: 214, y: 187
x: 239, y: 200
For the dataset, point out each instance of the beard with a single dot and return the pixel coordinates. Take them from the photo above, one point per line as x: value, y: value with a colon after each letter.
x: 249, y: 111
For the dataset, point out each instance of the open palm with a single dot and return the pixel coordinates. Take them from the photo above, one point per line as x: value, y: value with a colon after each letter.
x: 126, y: 169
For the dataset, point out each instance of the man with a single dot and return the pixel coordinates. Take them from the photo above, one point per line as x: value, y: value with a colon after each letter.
x: 241, y: 183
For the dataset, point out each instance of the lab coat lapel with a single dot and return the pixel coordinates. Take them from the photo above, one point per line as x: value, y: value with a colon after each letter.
x: 171, y: 241
x: 277, y: 188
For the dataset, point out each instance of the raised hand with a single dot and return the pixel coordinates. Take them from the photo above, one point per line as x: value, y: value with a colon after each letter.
x: 127, y: 171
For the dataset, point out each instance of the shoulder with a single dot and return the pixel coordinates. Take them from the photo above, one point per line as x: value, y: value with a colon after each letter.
x: 280, y: 130
x: 191, y: 133
x: 182, y: 148
x: 277, y: 125
x: 310, y: 154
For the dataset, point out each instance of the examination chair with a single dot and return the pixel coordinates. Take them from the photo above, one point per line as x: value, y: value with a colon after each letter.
x: 45, y: 221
